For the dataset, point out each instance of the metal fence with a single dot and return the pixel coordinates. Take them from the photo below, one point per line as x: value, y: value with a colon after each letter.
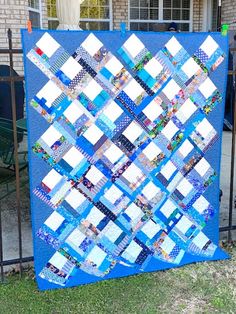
x: 11, y: 79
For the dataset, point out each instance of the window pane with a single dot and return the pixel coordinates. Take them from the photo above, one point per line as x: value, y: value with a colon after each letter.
x: 51, y: 6
x: 143, y: 3
x: 33, y: 4
x: 94, y: 13
x: 167, y: 3
x: 154, y: 14
x: 154, y: 3
x: 94, y: 25
x: 185, y: 15
x: 176, y: 3
x: 134, y: 14
x: 176, y: 14
x: 143, y: 14
x: 134, y: 27
x: 52, y: 24
x: 104, y: 13
x: 134, y: 3
x: 103, y: 2
x: 84, y: 12
x: 35, y: 19
x: 167, y: 14
x: 185, y: 3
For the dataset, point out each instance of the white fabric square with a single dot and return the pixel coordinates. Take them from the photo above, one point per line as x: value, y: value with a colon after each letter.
x: 133, y: 249
x: 150, y: 190
x: 168, y: 245
x: 207, y: 88
x: 54, y: 221
x: 132, y: 173
x: 171, y: 89
x: 173, y: 46
x: 50, y: 92
x: 168, y: 208
x: 75, y: 198
x: 132, y: 132
x: 58, y: 260
x: 113, y: 111
x: 113, y: 232
x: 73, y: 112
x: 113, y: 194
x: 52, y: 179
x: 76, y: 238
x: 71, y: 68
x: 201, y: 204
x: 204, y: 128
x: 48, y: 45
x: 114, y: 66
x: 133, y: 45
x: 51, y: 136
x: 152, y: 111
x: 186, y: 110
x: 184, y: 224
x: 169, y: 130
x: 97, y: 256
x: 94, y: 175
x: 113, y: 153
x: 209, y: 46
x: 186, y: 148
x: 153, y: 67
x: 190, y: 67
x: 168, y: 170
x: 185, y: 187
x: 92, y: 44
x: 134, y: 212
x: 92, y: 90
x: 200, y: 240
x: 73, y: 157
x: 151, y: 229
x: 202, y: 167
x: 93, y: 134
x: 133, y: 89
x: 151, y: 151
x: 95, y: 216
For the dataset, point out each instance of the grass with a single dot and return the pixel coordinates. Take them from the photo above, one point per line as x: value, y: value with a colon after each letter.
x: 199, y: 288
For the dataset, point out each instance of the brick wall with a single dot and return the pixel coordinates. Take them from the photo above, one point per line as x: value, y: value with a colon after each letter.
x: 14, y: 14
x: 197, y: 15
x: 228, y: 13
x: 120, y: 13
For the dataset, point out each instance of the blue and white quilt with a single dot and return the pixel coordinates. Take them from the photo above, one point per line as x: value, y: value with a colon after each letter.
x: 124, y: 141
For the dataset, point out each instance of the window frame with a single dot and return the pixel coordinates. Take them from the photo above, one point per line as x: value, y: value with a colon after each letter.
x: 160, y: 17
x: 39, y: 11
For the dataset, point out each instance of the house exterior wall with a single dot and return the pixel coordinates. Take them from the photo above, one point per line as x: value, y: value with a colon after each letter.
x: 228, y: 12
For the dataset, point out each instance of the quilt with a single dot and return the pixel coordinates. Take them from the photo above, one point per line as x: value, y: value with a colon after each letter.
x: 124, y: 150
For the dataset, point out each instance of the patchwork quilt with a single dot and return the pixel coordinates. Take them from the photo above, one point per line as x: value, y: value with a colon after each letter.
x: 124, y: 150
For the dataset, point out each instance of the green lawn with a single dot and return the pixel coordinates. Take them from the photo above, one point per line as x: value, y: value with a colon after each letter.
x: 200, y: 288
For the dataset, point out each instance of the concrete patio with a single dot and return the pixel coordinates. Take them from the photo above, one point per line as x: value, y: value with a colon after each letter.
x: 9, y: 211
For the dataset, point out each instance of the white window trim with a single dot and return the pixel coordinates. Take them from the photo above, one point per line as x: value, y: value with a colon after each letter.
x: 160, y: 17
x: 39, y: 10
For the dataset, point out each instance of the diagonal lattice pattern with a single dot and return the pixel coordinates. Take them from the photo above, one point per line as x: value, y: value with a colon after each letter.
x: 126, y: 142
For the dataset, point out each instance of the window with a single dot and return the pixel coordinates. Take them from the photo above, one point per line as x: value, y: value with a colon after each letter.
x: 52, y: 14
x: 156, y: 15
x: 94, y: 14
x: 35, y: 15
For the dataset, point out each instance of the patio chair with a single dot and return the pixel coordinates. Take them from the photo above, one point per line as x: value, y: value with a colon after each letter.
x: 5, y: 95
x: 7, y: 159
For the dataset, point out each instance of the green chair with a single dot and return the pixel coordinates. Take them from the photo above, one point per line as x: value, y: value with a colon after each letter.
x: 7, y: 158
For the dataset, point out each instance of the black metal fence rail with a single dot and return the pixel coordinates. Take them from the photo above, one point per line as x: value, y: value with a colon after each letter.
x: 12, y: 79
